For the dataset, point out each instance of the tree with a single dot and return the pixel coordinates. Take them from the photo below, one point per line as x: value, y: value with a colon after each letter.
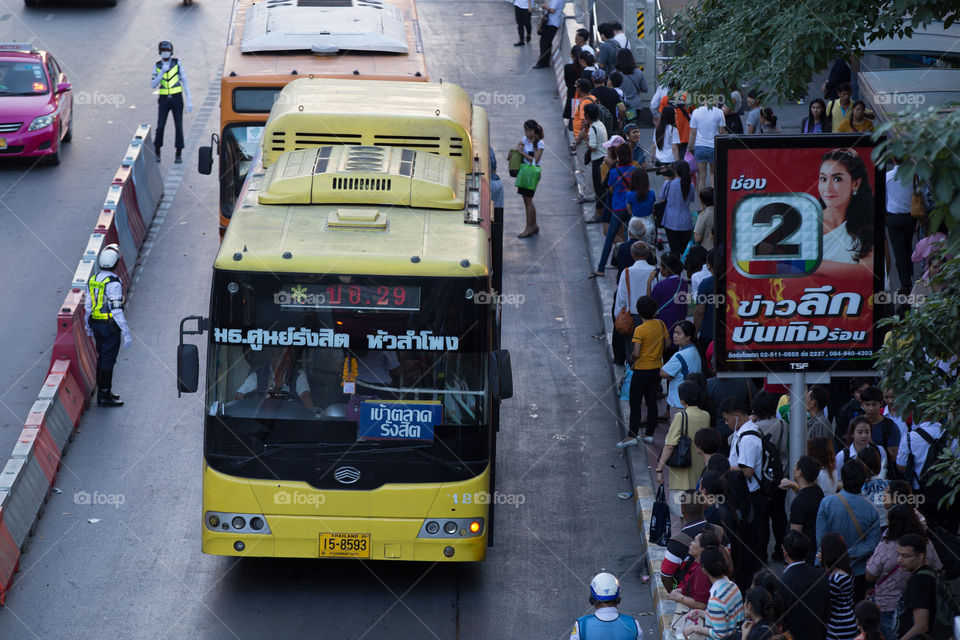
x: 779, y: 45
x: 919, y: 361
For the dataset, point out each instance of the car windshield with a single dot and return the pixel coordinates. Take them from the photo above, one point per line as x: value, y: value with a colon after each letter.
x: 22, y: 79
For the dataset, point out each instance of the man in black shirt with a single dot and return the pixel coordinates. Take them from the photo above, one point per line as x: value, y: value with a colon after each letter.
x: 607, y: 96
x: 918, y: 602
x: 803, y: 511
x: 886, y: 433
x: 850, y: 410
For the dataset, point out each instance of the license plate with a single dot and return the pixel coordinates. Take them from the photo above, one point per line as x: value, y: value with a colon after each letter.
x: 3, y: 143
x: 344, y: 545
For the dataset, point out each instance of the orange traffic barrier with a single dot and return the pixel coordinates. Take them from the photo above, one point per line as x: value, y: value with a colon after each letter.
x: 124, y: 177
x: 65, y: 389
x: 9, y: 555
x: 72, y: 343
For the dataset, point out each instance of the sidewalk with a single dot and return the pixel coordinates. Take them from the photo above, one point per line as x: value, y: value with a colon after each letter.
x: 641, y: 458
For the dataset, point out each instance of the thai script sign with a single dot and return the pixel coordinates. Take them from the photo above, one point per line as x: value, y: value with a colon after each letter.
x: 398, y: 420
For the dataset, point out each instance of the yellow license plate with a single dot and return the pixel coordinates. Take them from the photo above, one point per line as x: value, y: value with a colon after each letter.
x: 344, y: 545
x: 3, y: 143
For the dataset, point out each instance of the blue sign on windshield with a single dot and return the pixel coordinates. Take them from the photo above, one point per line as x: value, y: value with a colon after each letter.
x: 398, y: 420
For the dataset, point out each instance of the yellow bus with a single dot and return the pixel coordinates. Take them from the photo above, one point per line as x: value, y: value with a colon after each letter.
x: 354, y: 369
x: 271, y: 43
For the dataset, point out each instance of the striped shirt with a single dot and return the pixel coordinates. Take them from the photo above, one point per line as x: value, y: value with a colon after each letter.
x: 724, y: 609
x: 841, y: 623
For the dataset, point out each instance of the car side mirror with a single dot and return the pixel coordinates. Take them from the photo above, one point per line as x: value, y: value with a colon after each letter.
x: 64, y: 86
x: 205, y: 160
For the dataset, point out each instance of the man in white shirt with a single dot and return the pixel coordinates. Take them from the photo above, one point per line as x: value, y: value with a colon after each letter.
x: 911, y: 441
x: 746, y: 455
x: 900, y: 226
x: 706, y: 122
x: 638, y: 273
x: 521, y: 13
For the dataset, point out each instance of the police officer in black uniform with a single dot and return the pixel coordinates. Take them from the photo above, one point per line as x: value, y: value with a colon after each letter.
x: 105, y: 322
x: 170, y: 80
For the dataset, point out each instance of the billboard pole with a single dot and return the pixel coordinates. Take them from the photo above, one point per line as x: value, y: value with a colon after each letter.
x: 798, y: 422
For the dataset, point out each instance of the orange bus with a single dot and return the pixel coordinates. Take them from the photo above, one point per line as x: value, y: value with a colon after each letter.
x: 271, y: 43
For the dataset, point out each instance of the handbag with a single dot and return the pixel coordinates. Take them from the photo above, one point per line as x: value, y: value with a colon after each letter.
x: 586, y: 154
x: 918, y: 204
x: 660, y: 207
x: 514, y: 161
x: 541, y: 27
x: 681, y: 456
x: 660, y: 519
x: 528, y: 176
x: 624, y: 322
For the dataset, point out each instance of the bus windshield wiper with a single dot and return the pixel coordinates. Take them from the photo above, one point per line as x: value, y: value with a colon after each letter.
x: 422, y: 452
x: 273, y: 448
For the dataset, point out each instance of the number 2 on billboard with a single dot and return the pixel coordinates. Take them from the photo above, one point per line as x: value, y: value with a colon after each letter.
x: 777, y: 235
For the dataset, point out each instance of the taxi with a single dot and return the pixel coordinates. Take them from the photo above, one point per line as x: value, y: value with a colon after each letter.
x: 36, y: 104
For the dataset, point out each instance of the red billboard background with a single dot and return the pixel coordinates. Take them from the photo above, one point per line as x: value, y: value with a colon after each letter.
x: 797, y: 276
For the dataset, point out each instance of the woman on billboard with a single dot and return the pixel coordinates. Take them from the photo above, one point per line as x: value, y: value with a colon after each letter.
x: 847, y: 200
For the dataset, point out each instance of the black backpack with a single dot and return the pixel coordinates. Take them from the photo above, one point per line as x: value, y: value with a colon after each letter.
x: 605, y: 116
x: 771, y: 469
x: 948, y: 606
x: 933, y: 489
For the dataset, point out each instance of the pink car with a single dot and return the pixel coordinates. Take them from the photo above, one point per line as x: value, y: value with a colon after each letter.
x: 36, y: 105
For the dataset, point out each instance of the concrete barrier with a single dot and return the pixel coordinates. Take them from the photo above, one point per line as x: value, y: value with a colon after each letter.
x: 124, y: 178
x: 147, y: 180
x: 108, y: 230
x: 116, y: 204
x: 73, y: 344
x: 9, y: 551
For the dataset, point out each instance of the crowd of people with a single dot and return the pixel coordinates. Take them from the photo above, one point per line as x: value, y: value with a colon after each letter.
x: 866, y: 551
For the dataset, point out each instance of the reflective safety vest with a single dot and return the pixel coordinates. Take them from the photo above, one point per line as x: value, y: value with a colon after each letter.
x: 98, y: 299
x: 170, y: 81
x: 593, y: 628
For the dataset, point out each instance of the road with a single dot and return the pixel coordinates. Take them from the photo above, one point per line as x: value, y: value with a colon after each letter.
x: 129, y: 566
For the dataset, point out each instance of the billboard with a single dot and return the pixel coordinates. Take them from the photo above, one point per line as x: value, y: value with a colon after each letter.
x: 801, y: 243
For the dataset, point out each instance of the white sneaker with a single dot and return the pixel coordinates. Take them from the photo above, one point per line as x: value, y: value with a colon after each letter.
x: 627, y: 442
x: 648, y: 439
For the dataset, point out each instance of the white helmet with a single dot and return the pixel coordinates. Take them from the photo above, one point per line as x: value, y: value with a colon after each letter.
x: 109, y: 256
x: 605, y: 587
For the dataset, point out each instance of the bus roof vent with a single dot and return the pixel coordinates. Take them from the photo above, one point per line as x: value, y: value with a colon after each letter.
x: 364, y: 175
x: 324, y: 26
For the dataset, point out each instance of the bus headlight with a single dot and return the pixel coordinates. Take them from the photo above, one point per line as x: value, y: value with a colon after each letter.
x: 236, y: 522
x: 432, y: 527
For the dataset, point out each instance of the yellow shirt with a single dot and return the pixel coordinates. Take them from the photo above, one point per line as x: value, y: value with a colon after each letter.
x: 684, y: 479
x: 650, y: 335
x: 847, y: 126
x: 838, y: 113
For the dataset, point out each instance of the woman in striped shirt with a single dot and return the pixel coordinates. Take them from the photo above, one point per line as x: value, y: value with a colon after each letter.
x: 841, y: 623
x: 725, y: 607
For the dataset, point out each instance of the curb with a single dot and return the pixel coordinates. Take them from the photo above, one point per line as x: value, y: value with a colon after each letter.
x: 640, y: 476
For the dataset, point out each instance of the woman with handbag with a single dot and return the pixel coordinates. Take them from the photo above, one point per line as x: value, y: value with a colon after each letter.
x: 531, y: 149
x: 678, y: 455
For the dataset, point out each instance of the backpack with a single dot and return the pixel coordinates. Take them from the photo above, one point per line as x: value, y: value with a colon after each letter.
x: 948, y: 607
x: 947, y: 546
x: 605, y: 116
x: 932, y: 489
x: 771, y: 469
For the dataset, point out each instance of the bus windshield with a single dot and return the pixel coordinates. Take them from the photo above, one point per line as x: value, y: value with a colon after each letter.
x: 301, y: 360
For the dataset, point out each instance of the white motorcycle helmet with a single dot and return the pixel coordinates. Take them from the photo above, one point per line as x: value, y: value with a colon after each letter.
x: 605, y: 587
x: 109, y: 256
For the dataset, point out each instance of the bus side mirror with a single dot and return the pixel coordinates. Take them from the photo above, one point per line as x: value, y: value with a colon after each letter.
x: 188, y: 368
x: 501, y: 374
x: 205, y: 160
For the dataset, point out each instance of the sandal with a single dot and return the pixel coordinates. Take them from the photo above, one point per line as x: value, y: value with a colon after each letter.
x: 529, y: 232
x: 593, y: 220
x: 595, y: 274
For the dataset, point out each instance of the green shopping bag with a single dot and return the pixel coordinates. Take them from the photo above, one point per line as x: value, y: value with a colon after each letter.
x: 528, y: 177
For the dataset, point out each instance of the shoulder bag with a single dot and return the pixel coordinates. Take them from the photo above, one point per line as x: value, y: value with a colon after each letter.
x: 660, y: 206
x: 624, y: 322
x: 586, y: 154
x: 514, y: 161
x: 680, y: 457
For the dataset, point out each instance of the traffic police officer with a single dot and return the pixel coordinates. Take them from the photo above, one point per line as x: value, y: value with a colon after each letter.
x: 169, y: 76
x: 106, y: 323
x: 606, y: 623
